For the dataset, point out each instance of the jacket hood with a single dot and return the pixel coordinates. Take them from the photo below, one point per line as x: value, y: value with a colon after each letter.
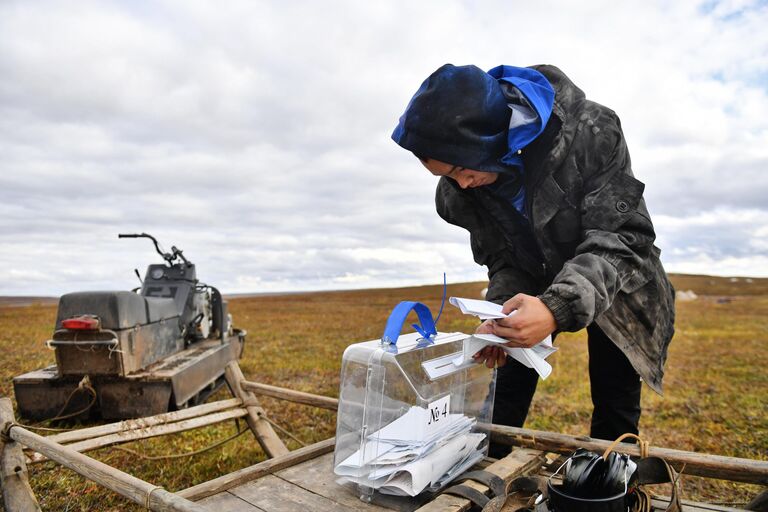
x: 532, y: 92
x: 464, y: 116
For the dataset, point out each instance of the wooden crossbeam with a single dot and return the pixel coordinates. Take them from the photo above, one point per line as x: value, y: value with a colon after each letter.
x: 144, y: 493
x: 143, y: 423
x: 154, y: 431
x: 324, y: 402
x: 697, y: 464
x: 272, y: 445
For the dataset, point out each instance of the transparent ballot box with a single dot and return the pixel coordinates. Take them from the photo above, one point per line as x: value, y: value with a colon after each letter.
x: 414, y: 413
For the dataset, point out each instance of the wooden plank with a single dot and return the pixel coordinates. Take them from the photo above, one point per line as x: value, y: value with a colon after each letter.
x: 137, y: 490
x: 696, y: 464
x: 273, y: 494
x: 262, y: 430
x: 662, y: 502
x: 299, y: 397
x: 266, y: 467
x: 521, y: 461
x: 14, y: 479
x: 227, y: 502
x: 157, y: 430
x: 140, y: 423
x: 316, y: 475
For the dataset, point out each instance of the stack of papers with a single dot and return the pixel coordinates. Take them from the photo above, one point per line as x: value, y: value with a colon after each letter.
x: 404, y: 458
x: 534, y: 357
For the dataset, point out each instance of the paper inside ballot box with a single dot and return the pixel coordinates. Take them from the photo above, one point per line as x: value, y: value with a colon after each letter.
x: 417, y: 450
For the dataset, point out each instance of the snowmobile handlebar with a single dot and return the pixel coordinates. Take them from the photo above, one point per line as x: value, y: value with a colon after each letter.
x: 167, y: 256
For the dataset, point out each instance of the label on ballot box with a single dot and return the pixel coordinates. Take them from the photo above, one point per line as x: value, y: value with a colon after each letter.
x: 439, y: 409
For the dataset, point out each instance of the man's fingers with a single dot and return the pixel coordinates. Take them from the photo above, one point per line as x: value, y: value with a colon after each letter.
x: 490, y: 356
x: 501, y: 357
x: 485, y: 327
x: 516, y: 337
x: 512, y: 333
x: 484, y: 354
x: 513, y: 322
x: 513, y: 303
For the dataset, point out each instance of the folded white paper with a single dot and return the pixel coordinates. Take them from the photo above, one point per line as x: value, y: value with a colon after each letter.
x: 403, y: 458
x: 534, y: 357
x: 428, y: 471
x: 480, y: 308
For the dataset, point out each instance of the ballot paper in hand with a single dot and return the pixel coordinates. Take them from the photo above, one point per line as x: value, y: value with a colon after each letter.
x: 534, y: 357
x: 480, y: 308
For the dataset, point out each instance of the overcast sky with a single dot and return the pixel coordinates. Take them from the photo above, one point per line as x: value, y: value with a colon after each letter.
x: 255, y: 135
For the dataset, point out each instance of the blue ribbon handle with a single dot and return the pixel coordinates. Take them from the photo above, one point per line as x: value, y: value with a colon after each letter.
x: 397, y: 319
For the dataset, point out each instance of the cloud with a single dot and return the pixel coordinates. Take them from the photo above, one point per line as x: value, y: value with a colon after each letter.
x: 255, y: 135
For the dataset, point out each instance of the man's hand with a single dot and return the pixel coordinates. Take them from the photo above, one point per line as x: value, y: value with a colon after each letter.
x: 491, y: 356
x: 532, y: 322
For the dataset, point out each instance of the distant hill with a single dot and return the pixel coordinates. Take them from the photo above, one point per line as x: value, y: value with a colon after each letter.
x: 716, y: 285
x: 700, y: 284
x: 26, y: 301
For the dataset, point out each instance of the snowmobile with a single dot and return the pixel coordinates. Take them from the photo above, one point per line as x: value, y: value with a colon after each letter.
x: 130, y: 354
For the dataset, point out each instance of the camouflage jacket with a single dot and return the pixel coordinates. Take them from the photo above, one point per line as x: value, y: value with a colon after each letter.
x: 587, y: 248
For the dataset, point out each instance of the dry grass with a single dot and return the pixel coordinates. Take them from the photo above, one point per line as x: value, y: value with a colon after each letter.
x: 714, y: 400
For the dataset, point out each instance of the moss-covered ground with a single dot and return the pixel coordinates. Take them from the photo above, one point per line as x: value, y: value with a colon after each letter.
x: 715, y: 401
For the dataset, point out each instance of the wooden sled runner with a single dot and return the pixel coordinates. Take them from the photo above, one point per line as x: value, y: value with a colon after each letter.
x: 303, y: 479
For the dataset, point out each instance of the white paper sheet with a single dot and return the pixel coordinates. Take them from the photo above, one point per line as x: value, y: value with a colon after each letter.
x: 534, y: 357
x: 412, y: 478
x: 404, y: 458
x: 480, y: 308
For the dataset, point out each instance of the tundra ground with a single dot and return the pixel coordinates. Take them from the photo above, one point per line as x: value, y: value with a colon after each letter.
x: 715, y: 385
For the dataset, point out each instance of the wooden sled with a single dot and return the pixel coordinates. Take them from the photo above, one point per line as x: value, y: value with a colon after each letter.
x: 303, y: 479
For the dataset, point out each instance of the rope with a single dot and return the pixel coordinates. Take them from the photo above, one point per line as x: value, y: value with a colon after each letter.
x: 85, y: 383
x: 182, y: 455
x: 642, y: 443
x: 147, y: 503
x: 642, y: 501
x: 5, y: 432
x: 281, y: 429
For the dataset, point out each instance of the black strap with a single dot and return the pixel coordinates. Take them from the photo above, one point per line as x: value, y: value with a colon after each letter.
x: 652, y: 470
x: 473, y: 495
x: 523, y: 484
x: 493, y: 482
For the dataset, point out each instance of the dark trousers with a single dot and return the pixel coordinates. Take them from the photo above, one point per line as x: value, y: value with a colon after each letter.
x: 615, y: 392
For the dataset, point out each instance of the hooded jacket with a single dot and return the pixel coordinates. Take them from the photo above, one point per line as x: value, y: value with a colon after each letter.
x: 587, y: 248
